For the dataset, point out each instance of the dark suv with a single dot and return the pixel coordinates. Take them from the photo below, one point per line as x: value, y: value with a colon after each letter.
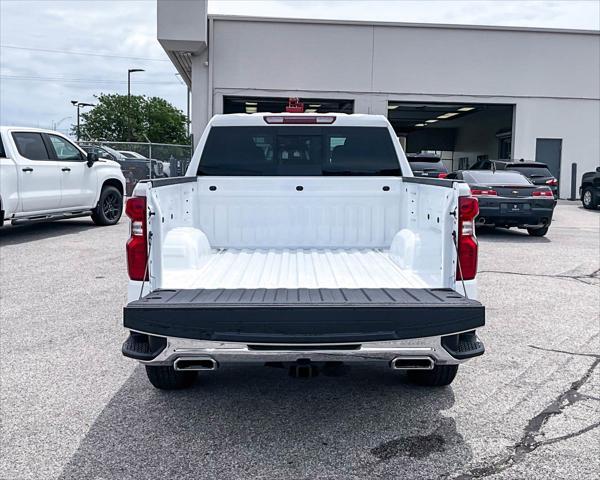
x: 426, y: 165
x: 590, y: 189
x: 537, y: 172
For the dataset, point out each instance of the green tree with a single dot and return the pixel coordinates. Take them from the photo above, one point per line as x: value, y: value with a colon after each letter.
x: 115, y: 119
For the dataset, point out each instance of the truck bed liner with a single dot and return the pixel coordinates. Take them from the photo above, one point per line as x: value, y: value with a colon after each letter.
x: 304, y: 314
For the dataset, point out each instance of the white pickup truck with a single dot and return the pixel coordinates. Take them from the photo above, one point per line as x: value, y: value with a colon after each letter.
x: 301, y: 240
x: 45, y: 176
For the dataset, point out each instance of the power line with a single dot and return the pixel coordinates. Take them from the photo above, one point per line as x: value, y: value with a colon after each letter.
x: 95, y: 81
x: 90, y: 54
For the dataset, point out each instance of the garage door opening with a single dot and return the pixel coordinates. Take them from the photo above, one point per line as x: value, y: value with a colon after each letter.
x: 278, y: 104
x: 459, y: 133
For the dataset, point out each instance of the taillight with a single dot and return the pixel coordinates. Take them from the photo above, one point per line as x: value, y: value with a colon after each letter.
x: 468, y: 209
x: 137, y: 246
x: 442, y: 175
x: 552, y: 181
x: 298, y: 119
x: 480, y: 193
x: 543, y: 193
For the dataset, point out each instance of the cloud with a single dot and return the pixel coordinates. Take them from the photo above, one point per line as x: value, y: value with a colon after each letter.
x: 36, y: 86
x: 528, y: 13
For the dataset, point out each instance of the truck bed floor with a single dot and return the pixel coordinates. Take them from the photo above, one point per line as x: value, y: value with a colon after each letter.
x: 296, y: 268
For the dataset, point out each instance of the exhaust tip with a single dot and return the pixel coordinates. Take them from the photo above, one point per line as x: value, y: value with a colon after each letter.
x: 412, y: 363
x: 195, y: 364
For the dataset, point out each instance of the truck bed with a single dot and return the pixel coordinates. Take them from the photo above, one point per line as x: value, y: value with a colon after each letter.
x: 297, y: 268
x: 303, y: 315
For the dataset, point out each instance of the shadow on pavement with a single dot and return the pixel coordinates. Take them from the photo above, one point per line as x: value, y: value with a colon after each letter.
x: 591, y: 210
x: 257, y: 422
x: 512, y: 235
x: 16, y: 234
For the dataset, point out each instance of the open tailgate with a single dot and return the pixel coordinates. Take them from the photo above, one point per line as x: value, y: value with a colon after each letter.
x: 303, y: 315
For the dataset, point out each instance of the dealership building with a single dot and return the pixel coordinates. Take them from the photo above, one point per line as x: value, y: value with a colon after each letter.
x: 466, y: 92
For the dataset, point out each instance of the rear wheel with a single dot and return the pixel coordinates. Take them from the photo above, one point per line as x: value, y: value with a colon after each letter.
x: 440, y: 376
x: 109, y: 208
x: 538, y: 232
x: 167, y: 378
x: 588, y: 199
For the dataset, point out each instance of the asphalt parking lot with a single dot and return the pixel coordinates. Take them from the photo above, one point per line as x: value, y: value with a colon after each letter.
x: 74, y: 408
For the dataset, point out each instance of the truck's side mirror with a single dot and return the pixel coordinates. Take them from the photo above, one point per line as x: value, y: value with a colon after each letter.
x: 598, y: 169
x: 91, y: 158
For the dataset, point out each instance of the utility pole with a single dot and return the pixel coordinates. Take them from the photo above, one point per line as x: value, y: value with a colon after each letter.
x: 129, y: 72
x: 78, y: 104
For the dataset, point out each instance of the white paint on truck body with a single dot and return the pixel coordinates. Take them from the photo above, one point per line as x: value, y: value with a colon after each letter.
x: 336, y: 232
x: 34, y: 187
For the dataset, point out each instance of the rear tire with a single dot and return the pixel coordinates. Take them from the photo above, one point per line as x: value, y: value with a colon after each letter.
x: 588, y: 199
x: 167, y: 378
x: 109, y: 208
x: 440, y: 376
x: 538, y: 232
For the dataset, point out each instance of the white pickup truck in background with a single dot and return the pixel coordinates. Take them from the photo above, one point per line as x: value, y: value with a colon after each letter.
x: 45, y: 176
x: 301, y: 240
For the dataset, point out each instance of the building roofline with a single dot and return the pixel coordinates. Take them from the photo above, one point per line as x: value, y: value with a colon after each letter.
x: 245, y: 18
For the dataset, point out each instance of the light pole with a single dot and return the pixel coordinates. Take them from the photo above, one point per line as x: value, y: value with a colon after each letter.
x: 129, y: 72
x: 78, y: 104
x: 56, y: 124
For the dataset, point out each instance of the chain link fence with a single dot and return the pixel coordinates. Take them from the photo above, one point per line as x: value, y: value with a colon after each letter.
x: 141, y: 161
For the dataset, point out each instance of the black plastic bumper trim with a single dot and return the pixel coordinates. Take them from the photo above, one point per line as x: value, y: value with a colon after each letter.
x: 143, y: 347
x: 463, y: 346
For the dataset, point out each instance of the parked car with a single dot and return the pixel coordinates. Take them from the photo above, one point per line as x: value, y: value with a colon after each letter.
x: 589, y: 191
x: 130, y: 154
x: 161, y: 169
x: 537, y: 172
x: 134, y: 169
x: 509, y: 199
x: 426, y: 165
x: 45, y: 176
x: 274, y: 249
x: 105, y: 152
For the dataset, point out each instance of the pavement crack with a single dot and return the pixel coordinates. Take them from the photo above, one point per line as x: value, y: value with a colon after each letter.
x: 587, y: 279
x: 578, y: 354
x: 550, y: 441
x: 528, y: 442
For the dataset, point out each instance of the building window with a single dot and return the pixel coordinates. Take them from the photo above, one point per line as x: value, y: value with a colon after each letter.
x: 278, y: 104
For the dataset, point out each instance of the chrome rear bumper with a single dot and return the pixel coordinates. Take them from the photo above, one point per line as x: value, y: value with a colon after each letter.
x: 385, y: 352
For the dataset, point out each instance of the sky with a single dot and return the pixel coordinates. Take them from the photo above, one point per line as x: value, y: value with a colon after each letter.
x: 52, y: 52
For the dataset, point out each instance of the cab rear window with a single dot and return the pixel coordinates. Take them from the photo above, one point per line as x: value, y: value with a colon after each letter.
x: 298, y: 150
